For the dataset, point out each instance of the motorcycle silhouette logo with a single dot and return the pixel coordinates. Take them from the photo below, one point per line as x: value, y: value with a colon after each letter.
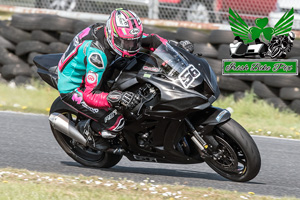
x: 272, y: 42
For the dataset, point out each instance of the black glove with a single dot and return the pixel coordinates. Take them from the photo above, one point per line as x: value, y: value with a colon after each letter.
x: 127, y: 99
x: 186, y: 45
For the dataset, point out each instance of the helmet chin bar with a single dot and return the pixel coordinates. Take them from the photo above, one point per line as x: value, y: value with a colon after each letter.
x: 128, y: 55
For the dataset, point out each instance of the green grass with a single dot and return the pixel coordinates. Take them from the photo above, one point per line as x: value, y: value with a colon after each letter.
x: 22, y: 184
x: 254, y: 114
x: 5, y: 15
x: 260, y: 118
x: 21, y: 99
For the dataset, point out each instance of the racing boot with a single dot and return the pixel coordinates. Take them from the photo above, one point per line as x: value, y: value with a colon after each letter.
x: 102, y: 131
x: 94, y: 140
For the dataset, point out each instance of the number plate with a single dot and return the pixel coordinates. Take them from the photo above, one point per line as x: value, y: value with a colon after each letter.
x: 188, y: 75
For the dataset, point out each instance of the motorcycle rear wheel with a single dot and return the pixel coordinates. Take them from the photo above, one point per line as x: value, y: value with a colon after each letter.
x: 83, y: 155
x: 240, y: 158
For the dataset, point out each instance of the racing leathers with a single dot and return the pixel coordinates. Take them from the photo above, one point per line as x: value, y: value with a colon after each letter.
x: 81, y: 73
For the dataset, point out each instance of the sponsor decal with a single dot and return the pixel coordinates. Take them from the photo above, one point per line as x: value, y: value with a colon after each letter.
x: 151, y: 69
x: 114, y: 97
x: 96, y: 60
x: 79, y: 100
x: 121, y: 20
x: 93, y: 110
x: 110, y: 116
x: 76, y: 41
x: 220, y: 115
x: 261, y: 45
x: 134, y: 31
x: 91, y: 77
x: 188, y: 75
x: 76, y: 98
x: 147, y: 75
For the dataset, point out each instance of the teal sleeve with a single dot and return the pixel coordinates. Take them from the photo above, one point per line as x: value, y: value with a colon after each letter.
x: 96, y: 62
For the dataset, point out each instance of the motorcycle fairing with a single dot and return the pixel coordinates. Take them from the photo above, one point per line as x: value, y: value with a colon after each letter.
x: 164, y: 133
x: 47, y: 67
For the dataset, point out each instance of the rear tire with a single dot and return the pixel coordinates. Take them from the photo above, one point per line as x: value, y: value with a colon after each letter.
x: 240, y: 148
x: 83, y: 155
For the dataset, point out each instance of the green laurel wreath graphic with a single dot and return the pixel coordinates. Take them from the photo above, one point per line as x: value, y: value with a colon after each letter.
x: 249, y: 34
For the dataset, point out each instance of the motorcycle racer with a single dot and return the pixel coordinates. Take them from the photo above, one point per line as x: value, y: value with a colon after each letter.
x: 85, y: 65
x: 283, y: 43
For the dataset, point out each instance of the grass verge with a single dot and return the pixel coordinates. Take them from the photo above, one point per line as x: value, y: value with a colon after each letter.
x: 24, y: 184
x: 260, y: 118
x: 36, y: 99
x: 254, y: 114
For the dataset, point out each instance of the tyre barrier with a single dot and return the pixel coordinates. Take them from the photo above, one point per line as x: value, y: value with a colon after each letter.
x: 28, y: 35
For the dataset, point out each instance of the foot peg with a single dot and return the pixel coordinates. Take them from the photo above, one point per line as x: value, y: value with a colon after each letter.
x: 117, y: 151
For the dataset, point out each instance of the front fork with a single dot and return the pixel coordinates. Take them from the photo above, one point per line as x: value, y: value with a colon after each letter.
x: 196, y: 138
x: 204, y: 140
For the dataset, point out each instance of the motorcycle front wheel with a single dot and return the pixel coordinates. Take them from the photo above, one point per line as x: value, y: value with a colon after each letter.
x: 237, y: 156
x: 83, y: 155
x: 276, y: 52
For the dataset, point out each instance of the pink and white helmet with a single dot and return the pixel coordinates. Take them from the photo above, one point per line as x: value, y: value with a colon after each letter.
x: 124, y: 31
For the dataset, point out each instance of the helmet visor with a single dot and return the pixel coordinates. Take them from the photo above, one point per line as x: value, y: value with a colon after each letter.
x: 129, y: 45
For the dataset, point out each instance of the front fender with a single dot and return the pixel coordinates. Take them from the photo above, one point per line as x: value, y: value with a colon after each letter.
x: 212, y: 116
x: 218, y: 116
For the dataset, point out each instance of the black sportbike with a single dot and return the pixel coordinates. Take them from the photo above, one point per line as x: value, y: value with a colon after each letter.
x: 174, y: 123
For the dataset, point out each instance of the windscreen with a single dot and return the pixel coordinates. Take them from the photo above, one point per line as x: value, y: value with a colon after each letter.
x: 174, y: 65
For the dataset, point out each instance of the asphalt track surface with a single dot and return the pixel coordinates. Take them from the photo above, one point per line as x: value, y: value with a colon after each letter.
x: 26, y: 142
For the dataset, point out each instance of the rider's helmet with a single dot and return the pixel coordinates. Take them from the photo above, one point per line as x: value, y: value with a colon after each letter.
x: 124, y: 31
x: 291, y: 37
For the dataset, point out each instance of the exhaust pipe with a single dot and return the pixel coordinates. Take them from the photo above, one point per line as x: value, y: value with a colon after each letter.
x: 67, y: 127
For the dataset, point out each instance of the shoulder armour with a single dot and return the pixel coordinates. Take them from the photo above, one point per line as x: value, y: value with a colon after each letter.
x: 96, y: 60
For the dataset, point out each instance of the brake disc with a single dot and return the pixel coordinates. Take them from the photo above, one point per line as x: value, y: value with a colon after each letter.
x: 226, y: 158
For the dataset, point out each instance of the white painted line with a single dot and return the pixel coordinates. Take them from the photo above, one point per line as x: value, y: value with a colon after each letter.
x: 277, y: 138
x: 21, y: 113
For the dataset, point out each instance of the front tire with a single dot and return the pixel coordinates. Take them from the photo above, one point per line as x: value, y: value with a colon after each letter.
x: 240, y: 160
x: 276, y: 52
x: 83, y: 155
